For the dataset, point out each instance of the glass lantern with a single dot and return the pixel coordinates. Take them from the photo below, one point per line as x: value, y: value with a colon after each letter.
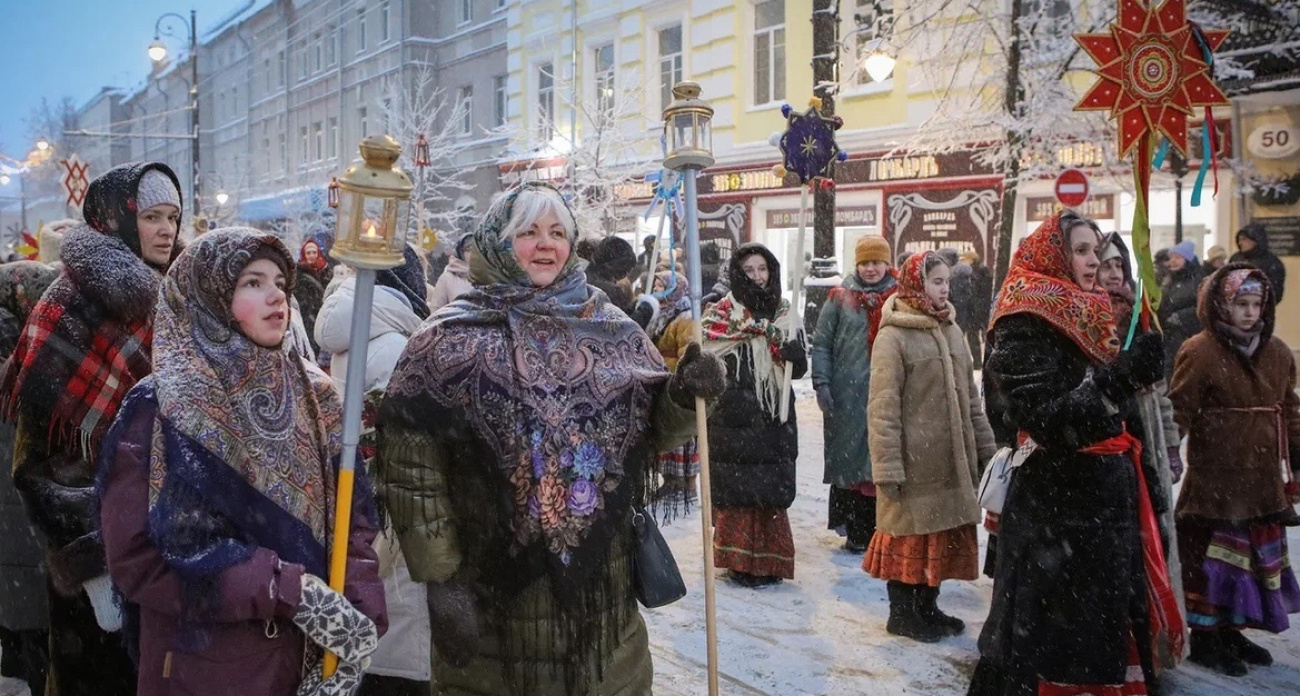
x: 374, y: 207
x: 688, y: 133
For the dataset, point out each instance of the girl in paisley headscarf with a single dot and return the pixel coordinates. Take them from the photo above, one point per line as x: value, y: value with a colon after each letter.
x: 217, y: 491
x: 518, y: 434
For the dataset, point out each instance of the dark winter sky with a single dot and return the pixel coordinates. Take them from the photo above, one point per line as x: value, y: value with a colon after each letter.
x: 58, y: 48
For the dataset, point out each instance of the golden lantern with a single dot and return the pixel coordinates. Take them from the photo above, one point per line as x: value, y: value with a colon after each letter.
x: 688, y: 132
x: 374, y: 207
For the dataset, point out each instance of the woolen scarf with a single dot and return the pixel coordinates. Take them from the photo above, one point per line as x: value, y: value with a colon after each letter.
x: 911, y: 288
x: 752, y: 322
x: 1234, y: 284
x: 557, y: 384
x: 87, y: 341
x: 1040, y: 282
x: 671, y: 289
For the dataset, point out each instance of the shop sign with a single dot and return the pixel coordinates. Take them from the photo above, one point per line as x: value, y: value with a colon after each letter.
x: 1274, y: 141
x: 1096, y: 208
x: 845, y: 216
x: 854, y: 171
x: 1283, y: 234
x: 961, y: 219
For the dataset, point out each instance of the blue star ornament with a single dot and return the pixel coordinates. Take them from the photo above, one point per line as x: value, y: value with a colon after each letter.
x: 808, y: 144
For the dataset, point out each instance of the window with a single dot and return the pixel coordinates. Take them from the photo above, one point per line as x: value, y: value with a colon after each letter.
x: 283, y: 68
x: 302, y: 136
x: 873, y: 19
x: 769, y: 51
x: 332, y: 145
x: 361, y: 29
x: 266, y: 148
x: 281, y: 140
x: 499, y: 102
x: 465, y: 103
x: 546, y: 101
x: 670, y: 63
x: 331, y: 46
x: 383, y: 22
x: 362, y: 122
x: 302, y: 60
x: 266, y: 69
x: 318, y: 51
x: 319, y: 130
x: 604, y: 79
x: 234, y: 101
x: 466, y: 11
x: 501, y: 4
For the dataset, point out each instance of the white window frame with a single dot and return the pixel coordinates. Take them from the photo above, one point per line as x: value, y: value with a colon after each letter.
x: 678, y: 59
x: 332, y: 145
x: 385, y: 27
x: 604, y: 80
x: 361, y: 30
x: 318, y: 130
x: 465, y: 102
x: 545, y: 100
x: 284, y: 69
x: 363, y: 124
x: 318, y: 51
x: 306, y: 143
x: 466, y: 12
x: 332, y: 46
x: 500, y: 100
x: 774, y: 75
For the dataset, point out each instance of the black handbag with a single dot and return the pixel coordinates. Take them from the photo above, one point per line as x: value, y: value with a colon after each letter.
x: 655, y: 576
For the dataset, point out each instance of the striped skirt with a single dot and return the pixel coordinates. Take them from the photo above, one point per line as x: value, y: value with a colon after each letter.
x: 1237, y: 576
x: 924, y: 559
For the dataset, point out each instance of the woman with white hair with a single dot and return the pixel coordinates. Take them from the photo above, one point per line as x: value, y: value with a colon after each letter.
x: 517, y: 438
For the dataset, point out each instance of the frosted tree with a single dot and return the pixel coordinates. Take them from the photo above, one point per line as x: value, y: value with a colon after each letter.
x: 417, y: 106
x: 611, y: 147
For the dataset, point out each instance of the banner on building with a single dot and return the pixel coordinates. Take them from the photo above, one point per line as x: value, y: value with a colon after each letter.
x: 961, y: 219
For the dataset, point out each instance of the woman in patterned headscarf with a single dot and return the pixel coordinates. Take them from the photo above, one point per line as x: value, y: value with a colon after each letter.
x: 518, y: 434
x: 217, y: 491
x: 1080, y: 587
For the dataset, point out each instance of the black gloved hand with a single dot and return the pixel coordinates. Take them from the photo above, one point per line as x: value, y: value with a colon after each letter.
x: 792, y: 351
x: 1142, y: 365
x: 825, y: 399
x: 453, y: 615
x: 699, y: 374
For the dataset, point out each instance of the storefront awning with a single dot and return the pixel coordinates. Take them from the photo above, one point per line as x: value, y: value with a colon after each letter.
x: 283, y: 205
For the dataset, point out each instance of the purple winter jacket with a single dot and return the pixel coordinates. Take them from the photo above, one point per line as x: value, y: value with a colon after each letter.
x: 254, y: 648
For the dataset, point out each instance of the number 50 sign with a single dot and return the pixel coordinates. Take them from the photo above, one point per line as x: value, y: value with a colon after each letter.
x: 1274, y: 141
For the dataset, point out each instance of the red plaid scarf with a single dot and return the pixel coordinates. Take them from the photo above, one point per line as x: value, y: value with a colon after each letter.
x: 73, y: 366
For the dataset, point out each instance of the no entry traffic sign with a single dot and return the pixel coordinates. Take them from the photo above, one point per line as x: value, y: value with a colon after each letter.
x: 1072, y: 188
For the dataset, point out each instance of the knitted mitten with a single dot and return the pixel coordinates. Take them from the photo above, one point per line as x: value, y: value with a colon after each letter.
x: 329, y: 620
x: 108, y: 612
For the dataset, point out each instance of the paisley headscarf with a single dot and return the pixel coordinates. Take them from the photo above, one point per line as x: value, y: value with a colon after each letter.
x: 1216, y: 298
x: 267, y: 413
x: 1041, y: 283
x: 911, y: 287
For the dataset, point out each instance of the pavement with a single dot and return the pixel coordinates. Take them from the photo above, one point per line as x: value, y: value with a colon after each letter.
x: 823, y: 633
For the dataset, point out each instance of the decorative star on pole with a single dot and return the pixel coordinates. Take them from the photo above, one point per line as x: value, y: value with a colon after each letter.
x: 808, y: 144
x: 1154, y: 69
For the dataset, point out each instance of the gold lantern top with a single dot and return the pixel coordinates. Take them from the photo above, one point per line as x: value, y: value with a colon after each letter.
x: 688, y: 133
x: 374, y: 204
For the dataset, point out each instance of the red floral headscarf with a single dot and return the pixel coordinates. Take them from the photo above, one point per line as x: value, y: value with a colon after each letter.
x: 1040, y: 282
x: 320, y: 261
x: 911, y: 287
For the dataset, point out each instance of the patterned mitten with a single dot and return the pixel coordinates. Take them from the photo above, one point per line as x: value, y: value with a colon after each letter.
x: 329, y: 620
x: 108, y: 612
x: 346, y: 680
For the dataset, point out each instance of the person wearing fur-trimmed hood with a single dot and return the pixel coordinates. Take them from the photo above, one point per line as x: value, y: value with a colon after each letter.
x: 752, y: 453
x: 518, y: 434
x: 929, y: 440
x: 1234, y: 395
x: 85, y: 345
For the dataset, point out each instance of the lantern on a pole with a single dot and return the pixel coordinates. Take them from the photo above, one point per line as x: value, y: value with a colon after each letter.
x: 374, y: 199
x: 333, y: 192
x: 688, y: 148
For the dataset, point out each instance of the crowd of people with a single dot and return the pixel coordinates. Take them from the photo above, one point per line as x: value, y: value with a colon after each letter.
x: 173, y: 416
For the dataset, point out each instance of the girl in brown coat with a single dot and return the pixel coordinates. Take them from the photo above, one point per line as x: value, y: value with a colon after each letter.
x: 928, y: 437
x: 1234, y: 394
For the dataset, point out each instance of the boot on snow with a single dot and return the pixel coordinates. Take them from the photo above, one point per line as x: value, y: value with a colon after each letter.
x: 1209, y: 651
x: 1245, y: 649
x: 929, y: 603
x: 905, y: 614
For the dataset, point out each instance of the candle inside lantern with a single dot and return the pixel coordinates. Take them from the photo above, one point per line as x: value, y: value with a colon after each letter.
x: 370, y: 238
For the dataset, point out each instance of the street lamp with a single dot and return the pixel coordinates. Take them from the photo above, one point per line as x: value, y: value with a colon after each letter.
x: 879, y: 65
x: 42, y: 144
x: 222, y: 197
x: 4, y: 179
x: 370, y: 235
x: 158, y: 53
x: 688, y: 144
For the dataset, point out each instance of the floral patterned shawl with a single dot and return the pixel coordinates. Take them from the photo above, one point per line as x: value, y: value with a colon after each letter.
x: 267, y: 413
x: 555, y: 381
x: 1041, y: 283
x: 911, y: 288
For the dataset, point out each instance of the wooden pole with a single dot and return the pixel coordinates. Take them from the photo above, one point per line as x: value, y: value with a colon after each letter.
x: 353, y: 396
x: 702, y: 433
x: 796, y: 308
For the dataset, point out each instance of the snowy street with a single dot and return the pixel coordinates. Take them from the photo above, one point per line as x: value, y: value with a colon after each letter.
x: 824, y: 632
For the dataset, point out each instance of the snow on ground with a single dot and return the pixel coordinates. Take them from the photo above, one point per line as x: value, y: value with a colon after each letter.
x: 824, y: 632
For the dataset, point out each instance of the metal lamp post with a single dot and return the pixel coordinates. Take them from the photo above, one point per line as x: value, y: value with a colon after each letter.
x: 158, y: 53
x: 374, y: 205
x: 688, y: 141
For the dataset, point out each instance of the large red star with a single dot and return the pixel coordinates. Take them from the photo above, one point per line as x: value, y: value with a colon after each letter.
x: 1153, y: 72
